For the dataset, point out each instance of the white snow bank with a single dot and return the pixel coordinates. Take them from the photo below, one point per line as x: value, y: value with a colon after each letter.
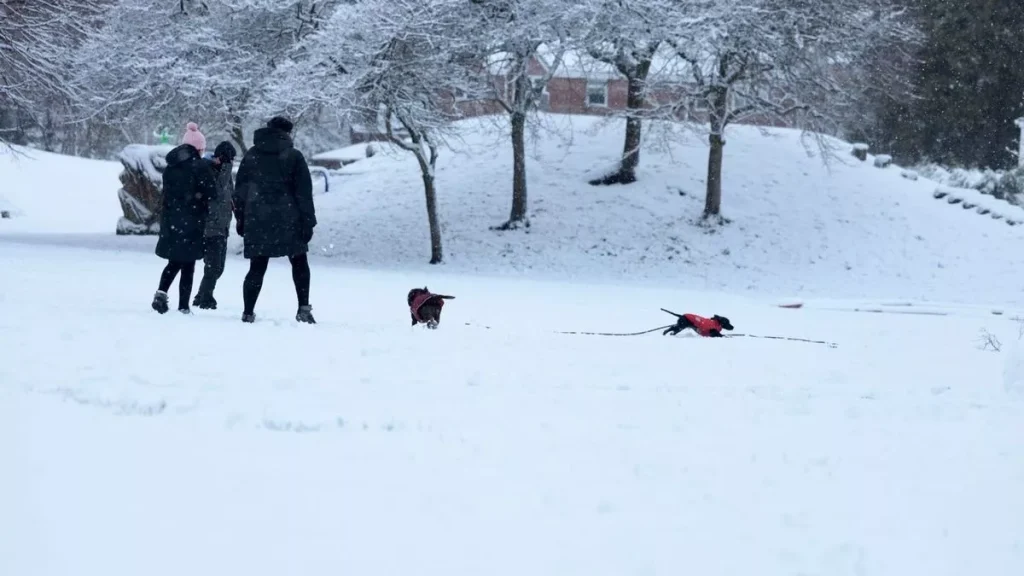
x: 53, y: 193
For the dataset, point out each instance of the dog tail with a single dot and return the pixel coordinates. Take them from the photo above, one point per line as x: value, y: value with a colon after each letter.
x: 672, y: 313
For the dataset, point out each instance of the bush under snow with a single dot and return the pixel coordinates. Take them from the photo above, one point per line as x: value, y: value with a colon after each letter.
x: 1005, y: 185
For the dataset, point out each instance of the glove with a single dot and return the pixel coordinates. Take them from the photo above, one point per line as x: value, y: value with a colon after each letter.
x: 240, y: 228
x: 307, y: 235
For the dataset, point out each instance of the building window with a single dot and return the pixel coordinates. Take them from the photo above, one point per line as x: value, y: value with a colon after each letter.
x: 535, y: 82
x: 597, y: 94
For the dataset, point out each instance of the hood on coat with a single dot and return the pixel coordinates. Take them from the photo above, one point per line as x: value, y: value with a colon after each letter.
x: 181, y: 154
x: 271, y: 140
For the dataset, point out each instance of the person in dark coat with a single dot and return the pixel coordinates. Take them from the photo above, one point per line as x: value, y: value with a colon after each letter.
x: 188, y: 186
x: 218, y: 221
x: 274, y: 213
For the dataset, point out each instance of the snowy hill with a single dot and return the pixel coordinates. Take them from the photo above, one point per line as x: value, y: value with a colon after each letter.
x: 798, y: 227
x: 50, y: 193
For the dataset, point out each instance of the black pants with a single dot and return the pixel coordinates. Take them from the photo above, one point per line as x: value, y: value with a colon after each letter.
x: 187, y: 270
x: 215, y: 253
x: 254, y: 280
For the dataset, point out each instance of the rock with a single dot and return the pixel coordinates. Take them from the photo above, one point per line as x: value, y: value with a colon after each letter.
x: 909, y: 175
x: 883, y: 161
x: 860, y: 151
x: 5, y: 214
x: 141, y: 194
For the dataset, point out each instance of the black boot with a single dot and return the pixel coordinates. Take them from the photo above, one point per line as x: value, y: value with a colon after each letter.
x: 305, y: 314
x: 204, y: 301
x: 248, y: 318
x: 160, y: 302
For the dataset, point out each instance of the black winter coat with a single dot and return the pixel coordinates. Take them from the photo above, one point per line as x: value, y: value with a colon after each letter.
x: 218, y: 220
x: 188, y: 186
x: 274, y: 197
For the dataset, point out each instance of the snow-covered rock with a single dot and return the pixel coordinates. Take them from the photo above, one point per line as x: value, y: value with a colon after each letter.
x: 883, y: 161
x: 860, y: 151
x: 140, y: 194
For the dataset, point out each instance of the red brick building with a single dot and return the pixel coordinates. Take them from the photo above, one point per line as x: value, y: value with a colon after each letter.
x: 584, y: 85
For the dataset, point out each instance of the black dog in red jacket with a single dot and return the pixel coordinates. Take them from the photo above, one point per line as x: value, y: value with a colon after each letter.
x: 425, y: 307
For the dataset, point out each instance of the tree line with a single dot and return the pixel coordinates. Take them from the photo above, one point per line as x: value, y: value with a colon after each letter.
x: 413, y: 66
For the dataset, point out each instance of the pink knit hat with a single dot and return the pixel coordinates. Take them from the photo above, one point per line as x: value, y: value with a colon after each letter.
x: 194, y: 137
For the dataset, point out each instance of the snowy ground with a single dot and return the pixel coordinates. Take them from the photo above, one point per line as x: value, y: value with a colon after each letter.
x: 139, y: 444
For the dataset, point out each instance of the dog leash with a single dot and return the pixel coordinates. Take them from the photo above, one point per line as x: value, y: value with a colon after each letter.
x: 789, y: 338
x: 618, y: 333
x: 580, y: 333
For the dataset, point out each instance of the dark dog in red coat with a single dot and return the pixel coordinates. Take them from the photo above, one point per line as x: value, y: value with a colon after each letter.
x: 706, y: 327
x: 425, y: 306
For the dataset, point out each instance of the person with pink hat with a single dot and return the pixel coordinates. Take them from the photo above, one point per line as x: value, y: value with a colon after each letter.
x: 189, y: 184
x: 194, y: 138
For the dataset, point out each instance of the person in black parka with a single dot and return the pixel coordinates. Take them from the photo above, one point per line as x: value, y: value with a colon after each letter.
x: 274, y: 213
x: 188, y: 185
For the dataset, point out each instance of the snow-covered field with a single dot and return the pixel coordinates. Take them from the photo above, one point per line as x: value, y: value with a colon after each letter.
x: 142, y: 444
x: 138, y: 444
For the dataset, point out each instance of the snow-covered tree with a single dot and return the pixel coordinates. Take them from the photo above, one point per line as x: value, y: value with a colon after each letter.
x: 508, y: 35
x: 779, y: 60
x: 36, y: 87
x: 208, y: 61
x: 626, y: 34
x: 393, y: 64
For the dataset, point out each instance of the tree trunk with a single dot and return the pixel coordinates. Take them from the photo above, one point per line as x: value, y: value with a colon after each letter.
x: 719, y: 110
x: 239, y: 137
x: 713, y: 198
x: 631, y: 148
x: 518, y: 215
x: 436, y: 252
x: 626, y: 174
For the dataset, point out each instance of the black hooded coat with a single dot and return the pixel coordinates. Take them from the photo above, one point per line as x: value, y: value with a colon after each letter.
x: 273, y: 198
x: 188, y: 186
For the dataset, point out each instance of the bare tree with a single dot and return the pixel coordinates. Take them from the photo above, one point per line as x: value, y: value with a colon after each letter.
x: 204, y: 60
x: 509, y: 35
x: 626, y: 35
x: 36, y: 39
x: 390, y: 62
x: 778, y: 60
